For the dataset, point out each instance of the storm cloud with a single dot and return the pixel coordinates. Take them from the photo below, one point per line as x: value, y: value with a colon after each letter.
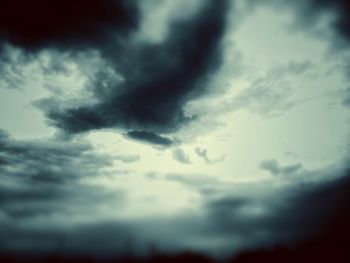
x: 158, y: 78
x: 84, y: 23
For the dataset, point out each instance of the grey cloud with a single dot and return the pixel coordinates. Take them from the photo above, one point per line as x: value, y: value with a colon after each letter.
x: 22, y: 201
x: 25, y: 202
x: 150, y: 137
x: 26, y: 192
x: 203, y: 153
x: 276, y: 169
x: 180, y: 156
x: 49, y: 161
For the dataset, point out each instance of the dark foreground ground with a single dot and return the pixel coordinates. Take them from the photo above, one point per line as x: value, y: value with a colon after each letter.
x: 328, y: 248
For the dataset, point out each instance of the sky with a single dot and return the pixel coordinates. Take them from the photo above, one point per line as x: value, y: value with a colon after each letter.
x: 212, y: 126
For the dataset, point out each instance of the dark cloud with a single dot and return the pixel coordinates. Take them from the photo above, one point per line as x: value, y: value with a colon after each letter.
x: 38, y: 175
x: 323, y: 207
x: 342, y: 10
x: 159, y: 78
x: 22, y: 201
x: 311, y: 211
x: 323, y: 212
x: 37, y: 24
x: 180, y: 156
x: 48, y: 161
x: 149, y: 137
x: 276, y: 169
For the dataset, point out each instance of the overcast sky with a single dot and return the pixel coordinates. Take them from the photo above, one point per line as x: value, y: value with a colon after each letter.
x: 189, y: 124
